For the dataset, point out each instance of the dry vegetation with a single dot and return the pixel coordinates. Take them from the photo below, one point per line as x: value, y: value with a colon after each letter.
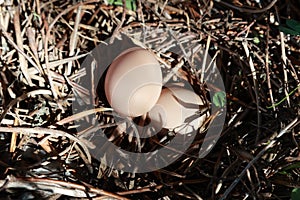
x: 43, y: 44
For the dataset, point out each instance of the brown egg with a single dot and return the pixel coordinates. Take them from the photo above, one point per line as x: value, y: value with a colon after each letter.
x: 177, y: 107
x: 133, y: 82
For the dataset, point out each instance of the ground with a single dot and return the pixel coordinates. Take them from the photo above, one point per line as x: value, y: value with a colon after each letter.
x: 255, y: 46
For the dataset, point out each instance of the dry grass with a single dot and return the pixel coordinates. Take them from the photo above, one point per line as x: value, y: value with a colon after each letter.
x: 43, y: 44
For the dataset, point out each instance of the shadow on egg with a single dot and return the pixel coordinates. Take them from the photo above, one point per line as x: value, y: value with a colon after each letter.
x: 108, y: 54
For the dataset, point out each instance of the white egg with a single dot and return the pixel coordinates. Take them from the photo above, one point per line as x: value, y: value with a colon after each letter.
x: 178, y: 108
x: 133, y: 82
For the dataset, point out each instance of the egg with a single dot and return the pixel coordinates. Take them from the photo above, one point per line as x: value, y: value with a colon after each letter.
x: 178, y: 108
x: 133, y: 82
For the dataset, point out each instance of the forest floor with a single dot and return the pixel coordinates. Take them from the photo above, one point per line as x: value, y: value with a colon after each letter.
x: 255, y: 46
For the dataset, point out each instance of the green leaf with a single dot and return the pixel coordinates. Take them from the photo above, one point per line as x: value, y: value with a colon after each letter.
x: 130, y: 4
x: 288, y: 30
x: 291, y: 27
x: 292, y: 166
x: 219, y: 99
x: 295, y: 194
x: 293, y: 24
x: 256, y: 40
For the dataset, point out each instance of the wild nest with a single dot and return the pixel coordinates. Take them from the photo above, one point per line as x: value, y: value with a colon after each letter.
x: 255, y: 46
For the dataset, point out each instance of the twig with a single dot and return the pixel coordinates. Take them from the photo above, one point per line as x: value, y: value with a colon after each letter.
x: 82, y: 114
x: 73, y: 39
x: 163, y: 7
x: 20, y: 98
x: 253, y: 72
x: 261, y: 153
x: 119, y: 26
x: 52, y: 132
x: 22, y: 61
x: 204, y: 58
x: 11, y: 41
x: 93, y: 94
x: 254, y: 11
x: 294, y: 123
x: 56, y: 63
x: 56, y: 187
x: 157, y: 187
x: 13, y: 140
x: 284, y: 59
x: 246, y: 29
x: 47, y: 39
x: 173, y: 71
x: 268, y: 70
x: 32, y: 44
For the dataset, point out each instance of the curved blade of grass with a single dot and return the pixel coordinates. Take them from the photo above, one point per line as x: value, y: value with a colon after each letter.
x: 282, y: 100
x: 82, y: 114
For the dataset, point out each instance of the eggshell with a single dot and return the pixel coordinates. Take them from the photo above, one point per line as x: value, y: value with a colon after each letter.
x: 175, y: 109
x: 133, y: 82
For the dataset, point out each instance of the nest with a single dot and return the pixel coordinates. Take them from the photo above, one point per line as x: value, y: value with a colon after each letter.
x: 255, y: 46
